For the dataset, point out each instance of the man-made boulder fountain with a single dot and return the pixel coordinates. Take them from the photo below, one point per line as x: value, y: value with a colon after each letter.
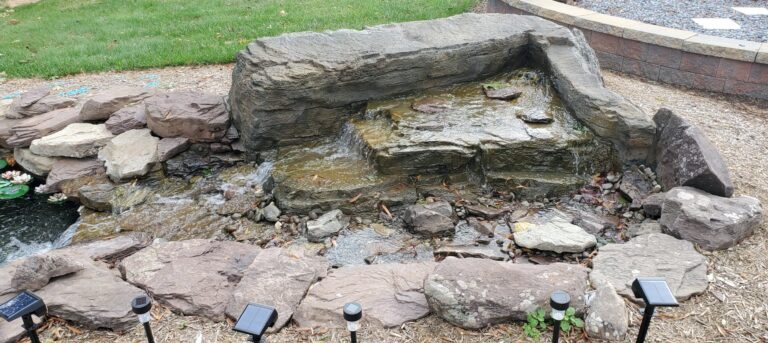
x: 291, y: 91
x: 464, y: 167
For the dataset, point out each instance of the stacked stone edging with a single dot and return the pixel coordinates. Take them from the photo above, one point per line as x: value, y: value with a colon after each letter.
x: 658, y: 53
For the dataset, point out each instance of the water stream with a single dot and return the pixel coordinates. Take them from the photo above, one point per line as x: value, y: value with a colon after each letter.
x: 30, y: 224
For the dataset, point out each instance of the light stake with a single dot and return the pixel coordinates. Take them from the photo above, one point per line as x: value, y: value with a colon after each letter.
x: 141, y: 306
x: 353, y: 312
x: 559, y: 301
x: 24, y: 305
x: 655, y: 293
x: 255, y: 320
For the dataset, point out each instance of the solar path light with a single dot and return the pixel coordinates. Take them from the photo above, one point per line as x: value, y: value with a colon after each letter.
x: 141, y: 306
x: 255, y: 320
x: 559, y: 301
x: 655, y: 292
x: 353, y: 312
x: 24, y: 305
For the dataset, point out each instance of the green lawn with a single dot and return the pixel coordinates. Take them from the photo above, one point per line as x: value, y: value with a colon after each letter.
x: 60, y: 37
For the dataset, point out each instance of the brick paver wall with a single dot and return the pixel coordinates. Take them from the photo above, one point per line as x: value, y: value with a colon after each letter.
x: 669, y: 65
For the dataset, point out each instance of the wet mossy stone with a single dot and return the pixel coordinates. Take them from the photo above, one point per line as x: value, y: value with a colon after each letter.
x: 13, y: 191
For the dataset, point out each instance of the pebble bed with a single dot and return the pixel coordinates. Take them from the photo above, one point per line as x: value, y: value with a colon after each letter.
x: 679, y: 14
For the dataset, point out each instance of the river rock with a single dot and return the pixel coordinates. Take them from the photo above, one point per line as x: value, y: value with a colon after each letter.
x: 168, y: 148
x: 33, y: 163
x: 636, y: 186
x: 66, y: 169
x: 36, y: 102
x: 77, y: 140
x: 26, y: 131
x: 110, y: 100
x: 196, y: 277
x: 271, y: 213
x: 390, y: 294
x: 504, y: 93
x: 555, y: 235
x: 326, y: 225
x: 474, y: 293
x: 712, y: 222
x: 198, y: 116
x: 607, y: 316
x: 657, y: 255
x: 277, y: 271
x: 535, y: 116
x: 128, y: 118
x: 644, y: 228
x: 484, y: 211
x: 489, y: 251
x: 685, y: 157
x: 97, y: 197
x: 10, y: 332
x: 652, y: 205
x: 37, y: 270
x: 434, y: 218
x: 130, y: 154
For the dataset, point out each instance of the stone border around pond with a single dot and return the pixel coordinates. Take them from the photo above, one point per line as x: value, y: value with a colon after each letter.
x: 659, y: 53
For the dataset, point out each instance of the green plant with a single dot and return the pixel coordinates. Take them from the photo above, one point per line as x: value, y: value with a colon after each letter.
x: 570, y: 320
x: 535, y: 324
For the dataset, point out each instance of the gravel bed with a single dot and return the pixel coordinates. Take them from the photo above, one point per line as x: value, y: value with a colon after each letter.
x: 679, y: 13
x: 734, y: 308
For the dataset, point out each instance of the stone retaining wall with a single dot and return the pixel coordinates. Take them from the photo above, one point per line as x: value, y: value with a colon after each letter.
x: 658, y: 53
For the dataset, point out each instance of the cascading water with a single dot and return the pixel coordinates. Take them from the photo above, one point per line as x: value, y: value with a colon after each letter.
x: 31, y: 224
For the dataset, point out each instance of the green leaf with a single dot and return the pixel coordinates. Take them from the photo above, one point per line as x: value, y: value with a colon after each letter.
x: 577, y: 322
x: 3, y: 164
x: 570, y: 311
x: 5, y: 183
x: 540, y: 314
x: 565, y: 326
x: 13, y: 191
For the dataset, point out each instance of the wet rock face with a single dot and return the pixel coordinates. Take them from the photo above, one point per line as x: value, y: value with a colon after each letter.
x: 292, y: 101
x: 686, y: 157
x: 711, y: 221
x: 326, y: 225
x: 435, y: 218
x: 652, y: 254
x: 475, y: 293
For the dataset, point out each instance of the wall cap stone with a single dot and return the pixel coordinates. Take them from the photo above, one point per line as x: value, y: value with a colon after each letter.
x: 762, y: 54
x: 735, y: 49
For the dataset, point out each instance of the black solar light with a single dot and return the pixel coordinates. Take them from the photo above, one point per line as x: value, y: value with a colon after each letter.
x: 141, y: 306
x: 24, y: 305
x: 255, y: 320
x: 655, y: 292
x: 559, y: 301
x: 353, y: 312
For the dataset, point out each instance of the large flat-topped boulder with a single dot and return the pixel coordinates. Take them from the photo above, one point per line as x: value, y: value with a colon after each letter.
x: 27, y: 130
x: 298, y: 87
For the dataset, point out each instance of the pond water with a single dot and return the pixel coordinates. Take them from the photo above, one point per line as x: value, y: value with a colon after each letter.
x: 30, y: 224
